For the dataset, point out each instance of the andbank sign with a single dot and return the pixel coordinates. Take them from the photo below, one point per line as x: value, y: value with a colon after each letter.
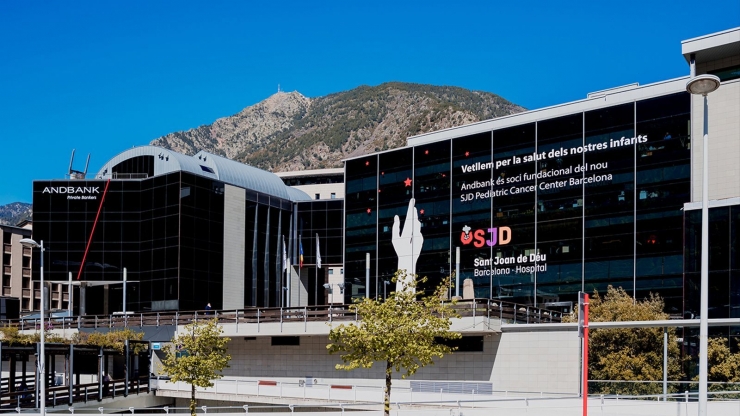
x: 74, y: 192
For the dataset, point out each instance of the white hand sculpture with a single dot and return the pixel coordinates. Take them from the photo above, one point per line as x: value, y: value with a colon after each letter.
x: 407, y: 244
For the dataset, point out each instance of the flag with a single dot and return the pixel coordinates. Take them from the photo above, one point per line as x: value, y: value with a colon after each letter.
x: 300, y: 246
x: 318, y: 253
x: 285, y: 256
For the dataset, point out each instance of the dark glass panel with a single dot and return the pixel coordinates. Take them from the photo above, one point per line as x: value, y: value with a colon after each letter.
x: 719, y: 240
x: 609, y: 203
x: 432, y: 193
x: 361, y: 192
x: 472, y: 169
x: 135, y: 167
x: 559, y: 158
x: 735, y: 237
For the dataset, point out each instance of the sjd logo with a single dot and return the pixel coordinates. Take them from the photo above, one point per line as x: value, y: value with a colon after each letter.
x: 497, y: 235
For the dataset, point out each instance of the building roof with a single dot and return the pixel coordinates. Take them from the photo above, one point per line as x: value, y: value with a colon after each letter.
x: 712, y: 46
x: 210, y: 166
x: 311, y: 173
x: 595, y: 100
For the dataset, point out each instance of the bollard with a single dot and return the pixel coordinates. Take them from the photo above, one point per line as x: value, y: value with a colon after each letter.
x: 71, y: 410
x: 131, y: 409
x: 100, y: 409
x: 246, y: 408
x: 291, y: 408
x: 166, y: 409
x: 205, y: 408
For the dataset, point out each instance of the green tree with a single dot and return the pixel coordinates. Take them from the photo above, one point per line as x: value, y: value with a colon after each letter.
x: 401, y: 331
x: 197, y: 356
x: 630, y: 354
x: 723, y: 365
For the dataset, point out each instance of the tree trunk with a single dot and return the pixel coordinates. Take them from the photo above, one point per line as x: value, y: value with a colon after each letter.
x: 387, y: 399
x: 192, y: 400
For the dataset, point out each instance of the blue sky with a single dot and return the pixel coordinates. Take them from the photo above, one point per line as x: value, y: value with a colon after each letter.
x: 101, y: 77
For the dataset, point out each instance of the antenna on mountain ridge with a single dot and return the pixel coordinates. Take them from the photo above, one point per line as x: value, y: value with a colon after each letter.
x: 278, y: 87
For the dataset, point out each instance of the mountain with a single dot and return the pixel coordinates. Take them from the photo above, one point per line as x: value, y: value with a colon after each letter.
x: 15, y: 212
x: 289, y: 131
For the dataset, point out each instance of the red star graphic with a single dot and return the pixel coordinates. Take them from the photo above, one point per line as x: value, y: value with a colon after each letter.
x: 369, y: 210
x: 421, y: 211
x: 467, y: 154
x: 367, y: 163
x: 426, y: 152
x: 407, y: 182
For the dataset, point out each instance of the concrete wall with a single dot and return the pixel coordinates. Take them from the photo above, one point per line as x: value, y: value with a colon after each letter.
x: 724, y: 141
x: 540, y: 361
x: 14, y: 287
x: 325, y: 190
x: 234, y: 246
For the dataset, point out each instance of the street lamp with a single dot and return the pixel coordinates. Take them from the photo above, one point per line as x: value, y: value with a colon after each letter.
x: 328, y: 287
x: 703, y: 85
x: 40, y: 370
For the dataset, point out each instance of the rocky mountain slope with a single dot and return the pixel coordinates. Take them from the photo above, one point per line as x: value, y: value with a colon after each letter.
x: 289, y: 131
x: 13, y: 213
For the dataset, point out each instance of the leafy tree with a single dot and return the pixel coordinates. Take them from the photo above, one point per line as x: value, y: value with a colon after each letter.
x: 399, y: 331
x: 197, y: 356
x: 723, y: 365
x: 634, y: 354
x: 112, y: 339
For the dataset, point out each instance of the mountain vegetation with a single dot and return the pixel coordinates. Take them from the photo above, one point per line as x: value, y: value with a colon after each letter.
x: 289, y: 131
x: 14, y: 213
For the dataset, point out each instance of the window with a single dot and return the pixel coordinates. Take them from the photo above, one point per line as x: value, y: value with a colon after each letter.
x: 331, y: 271
x: 206, y: 169
x: 727, y: 74
x: 333, y: 195
x: 464, y: 344
x: 286, y: 341
x: 317, y: 196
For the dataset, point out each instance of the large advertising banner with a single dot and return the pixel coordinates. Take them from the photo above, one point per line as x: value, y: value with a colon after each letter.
x: 548, y: 180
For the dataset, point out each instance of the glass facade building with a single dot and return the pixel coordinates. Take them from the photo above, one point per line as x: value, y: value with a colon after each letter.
x: 540, y: 209
x: 187, y: 235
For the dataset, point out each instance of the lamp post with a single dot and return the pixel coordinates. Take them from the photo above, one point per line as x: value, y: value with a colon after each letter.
x: 328, y: 286
x: 703, y: 85
x: 40, y: 370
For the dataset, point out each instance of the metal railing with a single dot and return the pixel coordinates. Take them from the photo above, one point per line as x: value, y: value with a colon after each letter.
x: 488, y: 308
x: 405, y: 401
x: 82, y: 393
